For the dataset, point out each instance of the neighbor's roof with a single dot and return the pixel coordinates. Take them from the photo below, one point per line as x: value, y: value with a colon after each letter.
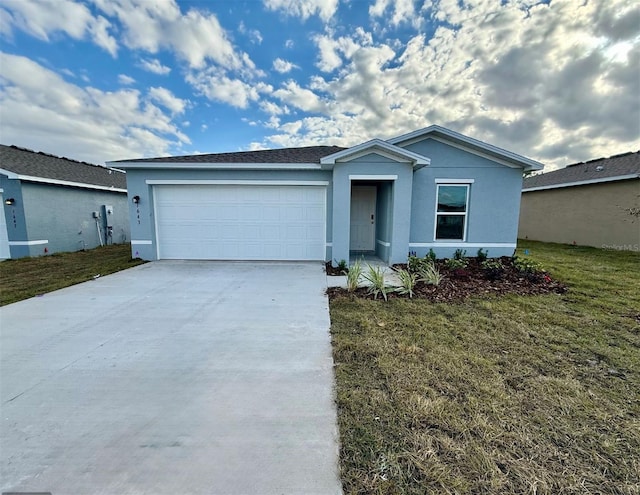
x: 310, y: 154
x: 617, y: 167
x: 32, y: 166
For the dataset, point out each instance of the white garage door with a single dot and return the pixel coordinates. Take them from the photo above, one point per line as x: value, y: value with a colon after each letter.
x: 240, y: 222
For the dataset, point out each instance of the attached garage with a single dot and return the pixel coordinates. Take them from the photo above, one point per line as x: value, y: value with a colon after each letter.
x: 240, y: 221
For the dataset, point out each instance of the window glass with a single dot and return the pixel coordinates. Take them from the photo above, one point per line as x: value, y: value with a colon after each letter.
x: 451, y: 214
x: 452, y: 198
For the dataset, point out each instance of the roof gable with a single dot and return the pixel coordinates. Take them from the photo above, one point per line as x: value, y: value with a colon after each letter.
x: 618, y: 167
x: 469, y: 144
x: 380, y: 147
x: 28, y: 165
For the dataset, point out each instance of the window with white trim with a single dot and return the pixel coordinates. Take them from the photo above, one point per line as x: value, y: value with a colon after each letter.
x: 452, y: 206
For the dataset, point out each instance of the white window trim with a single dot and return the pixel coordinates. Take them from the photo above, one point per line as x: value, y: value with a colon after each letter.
x: 455, y: 181
x: 465, y: 213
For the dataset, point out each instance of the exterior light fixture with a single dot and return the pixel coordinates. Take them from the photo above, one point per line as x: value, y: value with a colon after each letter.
x: 136, y: 199
x: 10, y: 201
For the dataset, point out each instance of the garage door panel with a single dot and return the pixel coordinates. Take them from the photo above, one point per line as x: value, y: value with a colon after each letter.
x: 240, y: 222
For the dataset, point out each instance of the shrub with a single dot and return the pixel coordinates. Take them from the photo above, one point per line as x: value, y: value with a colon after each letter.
x: 416, y: 265
x: 408, y: 282
x: 482, y: 255
x: 431, y: 255
x: 342, y: 266
x: 353, y: 276
x: 493, y: 269
x: 375, y: 276
x: 455, y: 263
x: 431, y: 275
x: 460, y: 254
x: 527, y: 265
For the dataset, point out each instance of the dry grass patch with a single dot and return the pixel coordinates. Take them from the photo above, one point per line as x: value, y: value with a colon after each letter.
x: 514, y: 394
x: 27, y: 277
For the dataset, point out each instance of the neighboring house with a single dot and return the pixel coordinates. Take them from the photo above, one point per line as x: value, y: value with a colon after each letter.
x: 53, y: 204
x: 590, y: 204
x: 433, y: 188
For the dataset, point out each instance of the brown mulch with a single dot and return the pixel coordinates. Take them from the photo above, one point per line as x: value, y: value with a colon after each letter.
x: 472, y: 281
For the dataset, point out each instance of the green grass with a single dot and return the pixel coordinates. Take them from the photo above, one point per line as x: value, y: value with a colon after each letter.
x: 27, y: 277
x: 496, y: 395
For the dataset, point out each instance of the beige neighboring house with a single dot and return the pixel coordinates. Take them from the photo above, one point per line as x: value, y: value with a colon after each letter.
x: 595, y: 203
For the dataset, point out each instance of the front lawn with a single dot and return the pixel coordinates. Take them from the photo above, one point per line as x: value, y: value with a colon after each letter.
x: 497, y: 394
x: 27, y: 277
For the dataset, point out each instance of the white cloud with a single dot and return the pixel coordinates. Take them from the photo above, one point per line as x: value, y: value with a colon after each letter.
x: 168, y: 100
x: 272, y: 108
x: 325, y: 9
x: 125, y: 80
x: 155, y: 66
x: 289, y: 44
x: 218, y: 86
x: 557, y: 82
x: 195, y: 37
x: 253, y: 34
x: 283, y: 66
x: 50, y: 114
x: 42, y: 19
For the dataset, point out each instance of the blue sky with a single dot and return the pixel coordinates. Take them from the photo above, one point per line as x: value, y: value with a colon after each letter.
x: 101, y: 80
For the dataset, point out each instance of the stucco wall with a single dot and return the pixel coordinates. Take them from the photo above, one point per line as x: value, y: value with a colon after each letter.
x: 590, y: 215
x: 63, y: 217
x: 494, y: 201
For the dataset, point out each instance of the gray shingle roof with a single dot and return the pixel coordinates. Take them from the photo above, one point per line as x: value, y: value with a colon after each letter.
x: 22, y: 161
x: 601, y: 168
x: 310, y: 154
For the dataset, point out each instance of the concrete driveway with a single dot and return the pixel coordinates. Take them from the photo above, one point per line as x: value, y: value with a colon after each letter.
x: 172, y: 377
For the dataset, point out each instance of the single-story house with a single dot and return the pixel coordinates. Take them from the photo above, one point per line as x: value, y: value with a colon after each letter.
x: 52, y: 204
x: 430, y: 189
x: 595, y: 203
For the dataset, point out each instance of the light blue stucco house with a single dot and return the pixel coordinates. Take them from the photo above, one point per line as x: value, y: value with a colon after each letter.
x: 430, y: 189
x: 51, y: 204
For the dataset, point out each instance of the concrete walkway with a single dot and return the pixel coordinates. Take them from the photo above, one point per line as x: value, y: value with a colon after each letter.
x: 172, y: 377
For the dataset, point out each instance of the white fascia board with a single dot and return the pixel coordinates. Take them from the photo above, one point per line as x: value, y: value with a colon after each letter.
x: 373, y: 146
x: 57, y: 182
x: 582, y: 182
x: 219, y: 166
x: 468, y: 144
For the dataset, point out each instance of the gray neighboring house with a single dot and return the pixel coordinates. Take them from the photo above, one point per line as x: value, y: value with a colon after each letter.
x: 430, y: 189
x: 590, y: 204
x: 53, y: 204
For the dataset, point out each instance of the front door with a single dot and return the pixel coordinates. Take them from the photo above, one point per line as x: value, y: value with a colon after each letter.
x: 363, y: 223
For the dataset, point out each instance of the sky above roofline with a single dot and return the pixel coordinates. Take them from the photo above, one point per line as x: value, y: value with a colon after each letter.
x: 103, y: 80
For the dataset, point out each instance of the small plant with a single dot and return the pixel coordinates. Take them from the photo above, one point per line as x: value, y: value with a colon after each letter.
x: 431, y: 275
x: 431, y: 255
x: 455, y: 263
x: 416, y: 265
x: 482, y: 255
x: 408, y: 282
x: 342, y: 266
x: 527, y: 265
x: 460, y: 254
x: 353, y: 276
x: 493, y: 269
x: 375, y: 277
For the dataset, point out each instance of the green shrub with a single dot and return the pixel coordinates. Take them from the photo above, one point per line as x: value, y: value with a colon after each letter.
x: 460, y: 254
x: 416, y: 265
x: 455, y: 263
x: 342, y: 266
x: 375, y: 276
x: 408, y: 282
x: 353, y: 276
x: 493, y: 269
x: 527, y: 265
x: 431, y: 255
x: 431, y: 275
x: 482, y: 255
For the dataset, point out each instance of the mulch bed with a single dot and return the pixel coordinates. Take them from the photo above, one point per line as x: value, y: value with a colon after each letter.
x: 471, y: 281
